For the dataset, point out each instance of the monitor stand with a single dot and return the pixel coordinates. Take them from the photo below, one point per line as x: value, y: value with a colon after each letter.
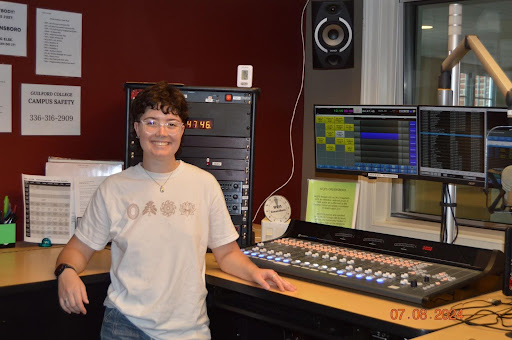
x: 448, y: 206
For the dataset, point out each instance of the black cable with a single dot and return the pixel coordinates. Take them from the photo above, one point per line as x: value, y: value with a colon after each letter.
x: 499, y: 317
x: 489, y: 304
x: 454, y: 219
x: 442, y: 235
x: 447, y: 207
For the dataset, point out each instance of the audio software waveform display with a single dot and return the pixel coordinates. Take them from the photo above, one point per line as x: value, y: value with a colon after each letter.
x: 452, y: 141
x: 363, y: 139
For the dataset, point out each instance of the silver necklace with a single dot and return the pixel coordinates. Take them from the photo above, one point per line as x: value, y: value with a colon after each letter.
x: 154, y: 180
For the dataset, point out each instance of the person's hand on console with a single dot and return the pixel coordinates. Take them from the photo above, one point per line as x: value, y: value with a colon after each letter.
x: 263, y: 276
x: 72, y: 293
x: 232, y: 261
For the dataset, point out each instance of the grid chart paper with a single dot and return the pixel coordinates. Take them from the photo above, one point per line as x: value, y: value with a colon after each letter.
x: 48, y: 209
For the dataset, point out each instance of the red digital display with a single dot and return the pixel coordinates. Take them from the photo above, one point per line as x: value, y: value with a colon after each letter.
x: 202, y: 124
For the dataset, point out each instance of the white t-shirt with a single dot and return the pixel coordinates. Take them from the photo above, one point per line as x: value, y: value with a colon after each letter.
x: 159, y: 241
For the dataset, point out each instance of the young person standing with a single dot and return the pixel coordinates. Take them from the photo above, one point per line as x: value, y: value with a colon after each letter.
x: 161, y: 216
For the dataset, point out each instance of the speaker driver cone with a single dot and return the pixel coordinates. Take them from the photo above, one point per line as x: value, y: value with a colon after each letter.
x: 333, y: 35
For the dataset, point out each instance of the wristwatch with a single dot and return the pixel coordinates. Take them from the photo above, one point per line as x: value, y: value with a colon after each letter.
x: 60, y: 268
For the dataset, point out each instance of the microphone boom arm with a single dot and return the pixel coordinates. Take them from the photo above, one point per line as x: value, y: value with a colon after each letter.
x: 471, y: 42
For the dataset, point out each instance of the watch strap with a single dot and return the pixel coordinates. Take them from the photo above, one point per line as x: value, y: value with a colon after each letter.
x: 61, y: 267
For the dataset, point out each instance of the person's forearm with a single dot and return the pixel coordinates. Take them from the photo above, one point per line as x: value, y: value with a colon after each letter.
x: 76, y: 254
x: 232, y: 261
x: 237, y: 264
x: 73, y: 257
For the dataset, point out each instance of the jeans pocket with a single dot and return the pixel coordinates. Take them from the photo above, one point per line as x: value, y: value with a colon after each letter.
x: 109, y: 314
x: 117, y: 326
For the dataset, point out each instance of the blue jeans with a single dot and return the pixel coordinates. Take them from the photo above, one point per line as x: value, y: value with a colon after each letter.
x: 117, y: 327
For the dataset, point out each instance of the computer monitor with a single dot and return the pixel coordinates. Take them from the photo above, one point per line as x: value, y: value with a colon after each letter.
x: 499, y: 144
x: 368, y: 140
x: 452, y: 144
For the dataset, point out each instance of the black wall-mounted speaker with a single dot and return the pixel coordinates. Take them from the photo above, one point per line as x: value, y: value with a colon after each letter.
x: 333, y: 34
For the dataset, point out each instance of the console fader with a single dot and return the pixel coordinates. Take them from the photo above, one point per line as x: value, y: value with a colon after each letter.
x: 419, y: 272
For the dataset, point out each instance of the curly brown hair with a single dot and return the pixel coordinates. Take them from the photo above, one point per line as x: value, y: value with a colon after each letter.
x: 160, y: 96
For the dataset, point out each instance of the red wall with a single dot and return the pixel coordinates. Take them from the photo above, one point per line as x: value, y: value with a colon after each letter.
x: 198, y: 43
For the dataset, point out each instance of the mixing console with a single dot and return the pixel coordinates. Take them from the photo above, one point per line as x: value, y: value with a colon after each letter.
x: 415, y: 271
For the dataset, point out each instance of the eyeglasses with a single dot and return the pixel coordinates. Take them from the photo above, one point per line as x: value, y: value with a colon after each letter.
x: 152, y: 125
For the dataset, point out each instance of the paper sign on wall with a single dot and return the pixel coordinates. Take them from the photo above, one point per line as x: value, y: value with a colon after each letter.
x: 50, y: 110
x: 13, y: 29
x: 332, y: 203
x: 5, y: 98
x: 48, y: 208
x: 59, y: 43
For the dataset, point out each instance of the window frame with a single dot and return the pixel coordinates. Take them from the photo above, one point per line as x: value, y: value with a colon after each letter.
x: 381, y: 197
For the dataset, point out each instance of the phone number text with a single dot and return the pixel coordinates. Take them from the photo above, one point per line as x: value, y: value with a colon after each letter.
x: 51, y: 118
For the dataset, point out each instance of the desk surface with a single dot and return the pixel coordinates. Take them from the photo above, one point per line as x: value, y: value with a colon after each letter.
x: 32, y: 265
x: 29, y: 265
x: 335, y: 298
x: 376, y: 308
x: 465, y: 332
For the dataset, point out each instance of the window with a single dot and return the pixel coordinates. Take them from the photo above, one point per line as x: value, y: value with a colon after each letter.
x: 424, y: 50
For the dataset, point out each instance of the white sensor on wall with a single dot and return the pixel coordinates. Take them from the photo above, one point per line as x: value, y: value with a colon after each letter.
x: 244, y: 76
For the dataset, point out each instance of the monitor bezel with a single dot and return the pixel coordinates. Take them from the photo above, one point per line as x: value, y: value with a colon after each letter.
x: 488, y: 182
x: 364, y: 173
x: 451, y: 180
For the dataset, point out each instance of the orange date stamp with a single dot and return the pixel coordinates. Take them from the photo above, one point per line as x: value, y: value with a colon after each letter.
x: 425, y: 314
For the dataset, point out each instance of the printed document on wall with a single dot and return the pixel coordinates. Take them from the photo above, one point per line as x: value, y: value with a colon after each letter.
x: 13, y: 35
x: 48, y: 208
x: 87, y: 176
x: 5, y: 98
x: 58, y: 43
x: 85, y: 188
x: 50, y: 110
x: 332, y: 203
x: 57, y: 166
